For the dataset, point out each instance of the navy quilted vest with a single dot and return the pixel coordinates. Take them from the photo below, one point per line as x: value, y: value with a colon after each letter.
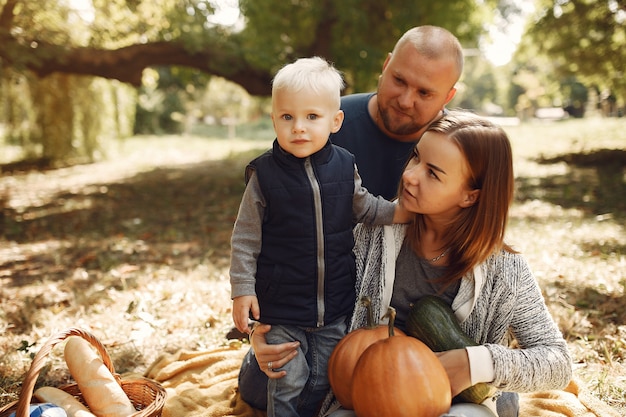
x: 305, y: 271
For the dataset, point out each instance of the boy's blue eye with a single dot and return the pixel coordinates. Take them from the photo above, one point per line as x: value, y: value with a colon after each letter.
x: 312, y: 116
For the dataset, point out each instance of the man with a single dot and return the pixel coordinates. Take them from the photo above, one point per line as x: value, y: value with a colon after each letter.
x: 418, y: 79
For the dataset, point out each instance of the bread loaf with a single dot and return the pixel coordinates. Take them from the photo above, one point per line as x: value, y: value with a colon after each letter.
x: 72, y: 407
x: 102, y: 393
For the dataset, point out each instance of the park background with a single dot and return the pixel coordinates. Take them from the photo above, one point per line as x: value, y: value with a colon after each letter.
x: 125, y: 126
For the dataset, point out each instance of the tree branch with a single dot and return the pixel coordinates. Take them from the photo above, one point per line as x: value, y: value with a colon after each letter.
x: 127, y: 64
x: 6, y: 17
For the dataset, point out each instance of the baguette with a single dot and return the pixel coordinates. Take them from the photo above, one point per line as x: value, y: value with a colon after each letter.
x: 101, y: 391
x: 67, y: 402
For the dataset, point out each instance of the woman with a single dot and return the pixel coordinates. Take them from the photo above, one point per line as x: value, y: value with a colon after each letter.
x: 459, y: 183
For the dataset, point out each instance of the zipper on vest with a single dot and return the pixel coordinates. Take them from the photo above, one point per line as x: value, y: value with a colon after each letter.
x: 319, y: 235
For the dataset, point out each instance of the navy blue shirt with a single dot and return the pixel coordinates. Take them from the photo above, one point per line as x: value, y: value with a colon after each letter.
x: 379, y: 158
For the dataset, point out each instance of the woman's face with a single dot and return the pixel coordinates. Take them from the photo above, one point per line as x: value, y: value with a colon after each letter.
x: 435, y: 181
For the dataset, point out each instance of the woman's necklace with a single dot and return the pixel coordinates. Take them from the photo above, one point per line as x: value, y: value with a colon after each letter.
x: 436, y: 258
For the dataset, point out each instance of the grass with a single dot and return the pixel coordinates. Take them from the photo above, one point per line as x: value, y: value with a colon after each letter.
x: 136, y: 248
x: 568, y: 220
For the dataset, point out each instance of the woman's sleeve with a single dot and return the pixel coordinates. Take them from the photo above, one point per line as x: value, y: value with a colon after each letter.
x: 367, y: 272
x: 376, y: 249
x: 542, y: 360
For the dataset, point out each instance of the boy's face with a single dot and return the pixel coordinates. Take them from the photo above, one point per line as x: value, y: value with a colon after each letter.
x: 303, y: 120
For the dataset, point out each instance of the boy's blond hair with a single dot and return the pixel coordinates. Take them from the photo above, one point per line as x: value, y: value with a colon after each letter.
x: 313, y: 73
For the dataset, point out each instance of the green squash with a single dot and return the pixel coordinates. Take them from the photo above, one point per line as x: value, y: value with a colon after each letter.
x: 433, y: 322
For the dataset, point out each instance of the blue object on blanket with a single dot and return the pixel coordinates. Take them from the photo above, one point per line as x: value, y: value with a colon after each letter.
x: 45, y: 410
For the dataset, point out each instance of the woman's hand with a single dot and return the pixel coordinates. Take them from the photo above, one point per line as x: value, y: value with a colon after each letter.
x: 456, y: 364
x: 271, y: 357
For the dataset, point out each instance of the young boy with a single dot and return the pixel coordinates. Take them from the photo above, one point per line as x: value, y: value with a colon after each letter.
x: 291, y: 263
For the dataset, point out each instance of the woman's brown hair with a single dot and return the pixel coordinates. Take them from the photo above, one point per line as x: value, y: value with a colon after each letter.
x: 478, y: 230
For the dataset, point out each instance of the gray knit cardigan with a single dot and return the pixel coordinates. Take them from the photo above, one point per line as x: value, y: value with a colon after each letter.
x: 500, y: 296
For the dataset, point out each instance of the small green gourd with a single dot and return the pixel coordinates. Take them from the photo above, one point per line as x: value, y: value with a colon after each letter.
x: 433, y: 322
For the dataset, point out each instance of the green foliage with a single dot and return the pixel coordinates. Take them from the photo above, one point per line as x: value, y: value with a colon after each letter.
x: 535, y: 81
x: 576, y: 95
x: 513, y: 95
x: 62, y: 116
x: 43, y: 21
x: 586, y: 39
x: 120, y: 22
x: 54, y: 118
x: 65, y: 117
x: 356, y: 35
x: 479, y: 87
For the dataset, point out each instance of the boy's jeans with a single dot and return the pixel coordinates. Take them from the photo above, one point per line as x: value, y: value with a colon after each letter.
x: 301, y: 391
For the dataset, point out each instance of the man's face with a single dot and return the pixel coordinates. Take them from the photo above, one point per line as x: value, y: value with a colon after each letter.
x: 412, y: 90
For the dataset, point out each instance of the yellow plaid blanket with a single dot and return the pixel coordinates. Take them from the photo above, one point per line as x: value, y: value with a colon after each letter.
x: 204, y: 384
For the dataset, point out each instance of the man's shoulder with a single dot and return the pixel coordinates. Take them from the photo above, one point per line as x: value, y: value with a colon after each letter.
x: 342, y: 151
x: 358, y: 127
x: 358, y: 99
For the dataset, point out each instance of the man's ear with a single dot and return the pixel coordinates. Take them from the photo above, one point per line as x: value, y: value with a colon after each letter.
x: 386, y: 61
x: 450, y: 95
x: 471, y: 197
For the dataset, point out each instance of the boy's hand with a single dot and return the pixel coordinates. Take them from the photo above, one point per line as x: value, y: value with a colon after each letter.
x: 242, y: 308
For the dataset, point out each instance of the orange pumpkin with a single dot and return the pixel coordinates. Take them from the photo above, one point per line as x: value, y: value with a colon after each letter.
x: 347, y: 352
x: 399, y: 376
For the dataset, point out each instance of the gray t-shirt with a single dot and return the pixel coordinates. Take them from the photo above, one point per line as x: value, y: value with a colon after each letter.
x: 414, y: 280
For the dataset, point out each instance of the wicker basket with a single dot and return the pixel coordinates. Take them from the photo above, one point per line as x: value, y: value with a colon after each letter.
x: 147, y: 396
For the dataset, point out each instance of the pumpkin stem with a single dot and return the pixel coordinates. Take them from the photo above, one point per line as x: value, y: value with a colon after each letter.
x: 367, y: 303
x: 391, y: 313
